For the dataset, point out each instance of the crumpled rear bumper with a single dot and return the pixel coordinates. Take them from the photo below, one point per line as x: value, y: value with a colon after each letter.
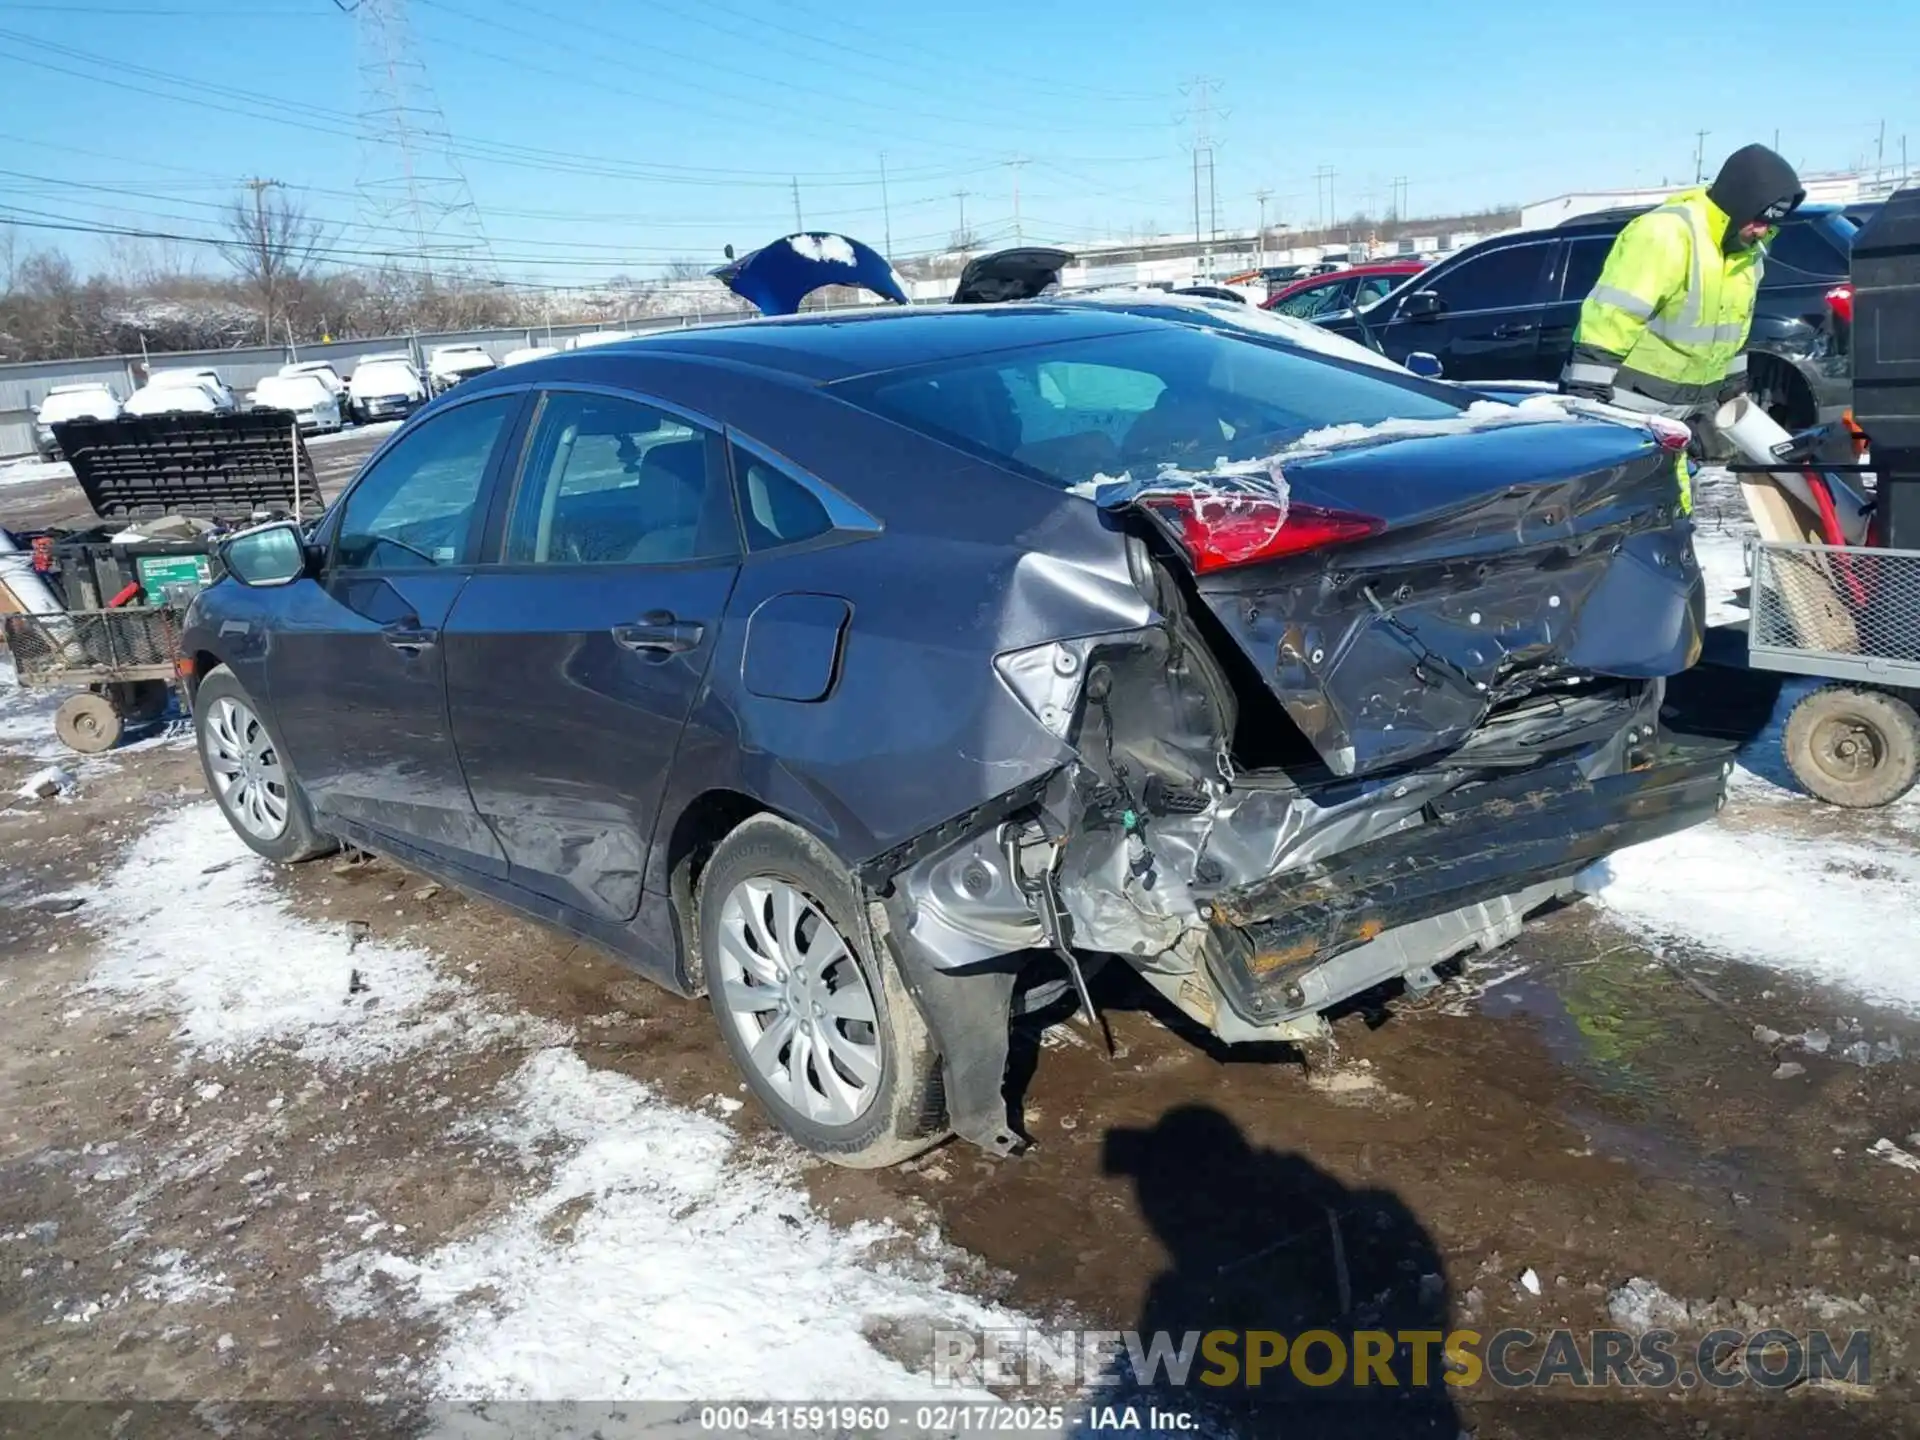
x: 1488, y: 841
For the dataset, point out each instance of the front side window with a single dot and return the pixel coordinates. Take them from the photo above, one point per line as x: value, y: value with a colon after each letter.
x: 610, y: 481
x: 1129, y: 404
x: 414, y: 508
x: 1497, y: 280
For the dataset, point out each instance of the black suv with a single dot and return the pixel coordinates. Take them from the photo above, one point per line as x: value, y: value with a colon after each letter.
x: 1505, y: 309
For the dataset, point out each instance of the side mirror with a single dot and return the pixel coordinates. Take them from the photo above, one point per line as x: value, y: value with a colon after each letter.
x: 267, y: 555
x: 1422, y: 305
x: 1425, y: 364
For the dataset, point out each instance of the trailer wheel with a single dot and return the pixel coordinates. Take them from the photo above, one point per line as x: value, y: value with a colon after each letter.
x: 88, y: 723
x: 1853, y: 746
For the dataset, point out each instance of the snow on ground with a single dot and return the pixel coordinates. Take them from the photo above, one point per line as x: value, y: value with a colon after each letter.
x: 334, y: 437
x: 694, y: 1274
x: 1836, y: 912
x: 644, y: 1252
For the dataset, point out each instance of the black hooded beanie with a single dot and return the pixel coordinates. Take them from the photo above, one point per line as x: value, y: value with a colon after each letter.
x: 1752, y: 179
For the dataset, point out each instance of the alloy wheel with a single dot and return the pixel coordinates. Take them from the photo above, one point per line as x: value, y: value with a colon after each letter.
x: 246, y: 768
x: 799, y: 1002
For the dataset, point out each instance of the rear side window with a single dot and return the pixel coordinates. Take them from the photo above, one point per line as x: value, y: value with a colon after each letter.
x: 1311, y: 301
x: 414, y: 508
x: 1816, y: 246
x: 1580, y: 271
x: 1129, y: 404
x: 775, y: 508
x: 610, y: 481
x: 1502, y: 279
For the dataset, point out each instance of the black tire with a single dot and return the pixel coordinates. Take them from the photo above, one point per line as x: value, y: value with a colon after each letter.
x: 300, y: 839
x: 1854, y: 746
x: 907, y: 1113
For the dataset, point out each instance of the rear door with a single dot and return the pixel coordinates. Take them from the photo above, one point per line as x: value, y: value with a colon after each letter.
x: 573, y: 660
x: 356, y: 669
x: 1576, y: 265
x: 1487, y: 324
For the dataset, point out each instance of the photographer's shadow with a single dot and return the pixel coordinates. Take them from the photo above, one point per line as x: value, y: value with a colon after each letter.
x: 1261, y: 1240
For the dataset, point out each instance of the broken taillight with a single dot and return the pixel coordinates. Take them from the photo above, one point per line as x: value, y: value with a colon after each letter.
x: 1840, y: 301
x: 1672, y: 434
x: 1221, y: 531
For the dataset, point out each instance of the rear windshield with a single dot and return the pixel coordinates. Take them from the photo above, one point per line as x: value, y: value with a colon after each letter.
x: 74, y: 403
x: 1132, y: 403
x: 1818, y: 245
x: 292, y: 390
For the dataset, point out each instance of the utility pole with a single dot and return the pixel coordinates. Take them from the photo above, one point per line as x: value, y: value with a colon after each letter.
x: 1324, y: 175
x: 1880, y: 153
x: 965, y: 240
x: 886, y: 211
x: 1700, y: 155
x: 1260, y: 247
x: 265, y: 252
x: 1202, y: 113
x: 1014, y: 165
x: 1399, y: 201
x: 798, y: 223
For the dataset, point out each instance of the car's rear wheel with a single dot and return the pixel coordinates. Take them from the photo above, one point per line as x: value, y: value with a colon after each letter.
x: 824, y: 1032
x: 250, y: 775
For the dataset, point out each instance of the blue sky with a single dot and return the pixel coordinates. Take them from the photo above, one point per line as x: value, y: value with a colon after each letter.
x: 607, y: 137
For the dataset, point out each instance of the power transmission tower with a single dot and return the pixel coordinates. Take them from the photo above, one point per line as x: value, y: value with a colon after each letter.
x: 413, y: 194
x: 1700, y: 155
x: 798, y: 223
x: 1019, y: 235
x: 1260, y: 245
x: 886, y: 210
x: 1202, y: 113
x: 1324, y: 173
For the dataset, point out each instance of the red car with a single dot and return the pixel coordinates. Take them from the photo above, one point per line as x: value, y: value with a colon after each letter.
x: 1319, y: 295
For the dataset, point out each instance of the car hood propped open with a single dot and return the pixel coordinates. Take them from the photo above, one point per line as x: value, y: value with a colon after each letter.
x: 775, y: 278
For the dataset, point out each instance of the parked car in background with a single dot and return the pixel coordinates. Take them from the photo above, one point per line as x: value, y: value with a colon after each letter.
x: 448, y: 365
x: 529, y: 352
x: 206, y: 377
x: 180, y: 397
x: 824, y: 666
x: 313, y: 405
x: 323, y: 371
x: 385, y: 387
x: 1505, y: 309
x: 1318, y: 297
x: 83, y: 400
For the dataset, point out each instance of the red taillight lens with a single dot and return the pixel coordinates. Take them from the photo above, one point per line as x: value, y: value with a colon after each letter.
x: 1221, y: 531
x: 1672, y: 434
x: 1840, y: 301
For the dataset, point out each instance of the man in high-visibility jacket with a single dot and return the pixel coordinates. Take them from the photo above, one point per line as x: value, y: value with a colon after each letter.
x: 1664, y: 330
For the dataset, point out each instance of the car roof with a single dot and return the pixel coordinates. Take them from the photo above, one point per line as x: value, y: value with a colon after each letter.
x: 836, y: 346
x: 1615, y: 218
x: 76, y: 387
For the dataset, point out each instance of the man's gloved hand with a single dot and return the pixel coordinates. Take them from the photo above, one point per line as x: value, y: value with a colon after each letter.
x: 1602, y: 393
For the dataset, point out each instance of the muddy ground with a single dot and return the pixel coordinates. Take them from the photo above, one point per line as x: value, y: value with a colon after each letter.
x: 1582, y: 1109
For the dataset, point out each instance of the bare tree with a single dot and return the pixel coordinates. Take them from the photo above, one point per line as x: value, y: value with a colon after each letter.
x: 683, y: 268
x: 271, y: 243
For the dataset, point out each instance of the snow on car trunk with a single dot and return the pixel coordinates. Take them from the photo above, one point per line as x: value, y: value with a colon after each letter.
x: 641, y: 1251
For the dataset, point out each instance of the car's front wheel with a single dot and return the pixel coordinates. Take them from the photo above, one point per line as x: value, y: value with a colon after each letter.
x: 825, y: 1033
x: 250, y: 775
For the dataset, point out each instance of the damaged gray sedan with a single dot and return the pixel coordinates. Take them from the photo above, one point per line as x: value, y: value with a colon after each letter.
x: 877, y: 675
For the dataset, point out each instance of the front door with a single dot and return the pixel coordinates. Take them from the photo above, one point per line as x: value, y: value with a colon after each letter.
x: 572, y: 664
x: 1577, y: 270
x: 1487, y: 325
x: 356, y: 673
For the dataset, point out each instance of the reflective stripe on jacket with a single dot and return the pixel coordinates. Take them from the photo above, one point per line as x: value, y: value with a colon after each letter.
x: 1670, y: 313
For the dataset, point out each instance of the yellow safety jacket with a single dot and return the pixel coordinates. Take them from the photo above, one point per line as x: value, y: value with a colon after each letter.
x: 1669, y: 317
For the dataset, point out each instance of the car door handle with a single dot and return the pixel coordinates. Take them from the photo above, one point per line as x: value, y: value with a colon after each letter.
x: 409, y: 639
x: 659, y: 632
x: 1514, y: 332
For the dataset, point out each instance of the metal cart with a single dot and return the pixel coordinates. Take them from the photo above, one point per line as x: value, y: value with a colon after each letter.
x: 1850, y: 617
x: 124, y: 664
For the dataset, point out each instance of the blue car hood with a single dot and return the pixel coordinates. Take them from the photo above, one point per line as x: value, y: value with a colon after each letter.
x: 775, y: 278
